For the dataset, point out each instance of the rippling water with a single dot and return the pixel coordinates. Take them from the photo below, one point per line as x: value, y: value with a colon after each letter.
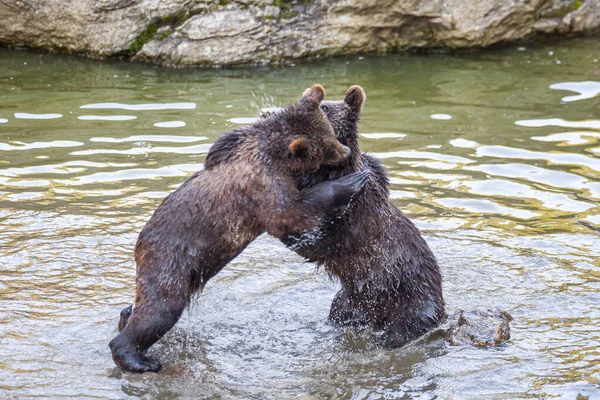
x: 496, y: 157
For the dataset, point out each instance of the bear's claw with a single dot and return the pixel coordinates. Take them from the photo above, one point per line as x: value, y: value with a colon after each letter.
x: 356, y: 181
x: 353, y: 185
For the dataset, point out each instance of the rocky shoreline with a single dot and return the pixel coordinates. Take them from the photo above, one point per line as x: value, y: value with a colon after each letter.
x: 192, y: 33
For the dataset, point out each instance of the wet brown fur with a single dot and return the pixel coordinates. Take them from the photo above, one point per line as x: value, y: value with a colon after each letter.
x: 247, y: 187
x: 390, y: 279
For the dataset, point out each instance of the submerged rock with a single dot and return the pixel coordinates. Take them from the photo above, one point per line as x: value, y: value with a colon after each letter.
x: 481, y: 327
x: 185, y: 33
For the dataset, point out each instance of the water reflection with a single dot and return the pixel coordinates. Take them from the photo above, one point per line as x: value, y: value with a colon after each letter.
x: 570, y: 138
x: 586, y: 89
x: 591, y: 124
x: 106, y: 117
x: 142, y: 107
x: 243, y: 120
x: 37, y: 116
x: 170, y: 124
x: 506, y: 192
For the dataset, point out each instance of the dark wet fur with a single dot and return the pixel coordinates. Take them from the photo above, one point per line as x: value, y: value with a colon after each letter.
x: 390, y: 279
x: 247, y: 187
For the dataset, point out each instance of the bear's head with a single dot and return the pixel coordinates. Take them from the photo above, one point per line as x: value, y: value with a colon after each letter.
x: 344, y: 115
x: 309, y: 137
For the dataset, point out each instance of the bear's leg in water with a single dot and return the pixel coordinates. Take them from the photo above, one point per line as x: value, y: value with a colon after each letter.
x: 344, y: 311
x: 156, y: 311
x: 407, y: 320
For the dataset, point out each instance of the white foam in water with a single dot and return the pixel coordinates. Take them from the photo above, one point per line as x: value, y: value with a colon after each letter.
x: 586, y: 89
x: 170, y: 124
x: 537, y: 123
x: 3, y: 120
x: 243, y: 120
x: 387, y: 135
x: 441, y: 116
x: 106, y: 117
x: 37, y: 116
x: 143, y: 107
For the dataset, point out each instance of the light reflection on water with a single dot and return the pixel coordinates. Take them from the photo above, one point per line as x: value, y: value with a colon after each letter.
x: 506, y: 192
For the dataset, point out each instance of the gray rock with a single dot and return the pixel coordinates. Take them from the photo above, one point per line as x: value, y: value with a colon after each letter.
x: 183, y: 33
x: 481, y: 327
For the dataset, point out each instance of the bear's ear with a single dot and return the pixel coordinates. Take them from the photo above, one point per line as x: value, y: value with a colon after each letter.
x: 315, y: 93
x: 355, y: 97
x: 299, y: 148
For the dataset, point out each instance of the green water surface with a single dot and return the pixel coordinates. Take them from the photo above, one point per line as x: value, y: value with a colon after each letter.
x: 494, y: 155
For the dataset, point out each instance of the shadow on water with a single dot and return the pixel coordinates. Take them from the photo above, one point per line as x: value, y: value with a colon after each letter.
x: 494, y: 155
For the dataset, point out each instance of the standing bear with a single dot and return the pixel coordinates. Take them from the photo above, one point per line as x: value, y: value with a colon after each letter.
x: 390, y: 279
x: 248, y: 186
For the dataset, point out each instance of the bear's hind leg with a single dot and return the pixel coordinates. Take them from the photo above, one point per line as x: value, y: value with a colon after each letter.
x: 151, y: 320
x: 410, y: 320
x: 344, y: 312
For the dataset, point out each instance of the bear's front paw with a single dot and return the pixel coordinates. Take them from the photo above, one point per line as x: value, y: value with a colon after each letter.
x: 350, y: 186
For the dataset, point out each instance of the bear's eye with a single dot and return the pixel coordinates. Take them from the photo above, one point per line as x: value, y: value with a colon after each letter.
x: 325, y: 109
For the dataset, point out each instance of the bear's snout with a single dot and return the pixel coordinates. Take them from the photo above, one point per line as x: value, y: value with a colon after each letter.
x: 337, y: 154
x: 347, y: 151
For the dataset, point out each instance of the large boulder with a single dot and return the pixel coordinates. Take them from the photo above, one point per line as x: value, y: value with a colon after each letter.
x: 184, y: 33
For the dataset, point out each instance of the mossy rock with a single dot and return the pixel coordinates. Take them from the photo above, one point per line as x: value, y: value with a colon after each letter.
x: 170, y: 21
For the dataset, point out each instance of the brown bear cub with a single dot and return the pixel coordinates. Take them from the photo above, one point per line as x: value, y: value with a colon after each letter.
x: 247, y: 187
x: 390, y: 279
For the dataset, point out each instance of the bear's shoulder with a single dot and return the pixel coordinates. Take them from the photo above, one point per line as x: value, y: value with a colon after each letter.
x: 224, y: 148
